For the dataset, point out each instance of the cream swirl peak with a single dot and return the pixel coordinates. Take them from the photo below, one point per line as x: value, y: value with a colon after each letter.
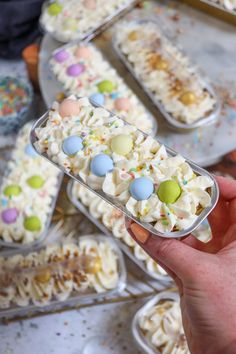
x: 84, y: 71
x: 164, y: 71
x: 67, y: 20
x: 161, y: 326
x: 133, y: 169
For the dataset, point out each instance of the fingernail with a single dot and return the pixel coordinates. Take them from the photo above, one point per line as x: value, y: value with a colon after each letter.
x: 140, y: 233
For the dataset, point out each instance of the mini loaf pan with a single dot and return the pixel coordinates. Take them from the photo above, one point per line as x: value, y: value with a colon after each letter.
x: 173, y: 122
x: 137, y: 333
x: 214, y: 191
x: 74, y: 43
x: 75, y: 299
x: 43, y: 235
x: 165, y: 279
x: 108, y: 21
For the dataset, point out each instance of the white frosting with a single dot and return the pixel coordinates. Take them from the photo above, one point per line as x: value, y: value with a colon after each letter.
x: 76, y: 20
x: 141, y: 43
x: 55, y: 273
x: 97, y: 70
x: 228, y: 4
x: 30, y: 202
x: 147, y: 158
x: 115, y: 222
x: 162, y: 328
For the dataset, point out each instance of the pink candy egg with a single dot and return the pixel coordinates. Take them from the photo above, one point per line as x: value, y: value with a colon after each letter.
x: 122, y: 104
x: 83, y: 53
x: 90, y: 4
x: 69, y: 108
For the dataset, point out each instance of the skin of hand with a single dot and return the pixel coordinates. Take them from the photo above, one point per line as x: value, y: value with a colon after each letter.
x: 205, y: 274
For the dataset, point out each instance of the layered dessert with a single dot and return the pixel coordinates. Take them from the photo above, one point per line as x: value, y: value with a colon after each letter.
x: 164, y: 71
x: 82, y: 70
x: 161, y: 327
x: 131, y: 169
x: 67, y: 20
x: 59, y: 272
x: 28, y: 191
x: 228, y: 4
x: 114, y: 221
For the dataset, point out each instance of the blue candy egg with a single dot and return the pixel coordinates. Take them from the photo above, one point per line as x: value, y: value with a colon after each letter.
x: 98, y: 98
x: 141, y: 188
x: 101, y: 164
x: 29, y: 150
x: 72, y: 145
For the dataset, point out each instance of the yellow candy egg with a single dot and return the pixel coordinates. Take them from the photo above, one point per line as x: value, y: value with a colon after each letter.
x: 122, y: 144
x: 188, y: 98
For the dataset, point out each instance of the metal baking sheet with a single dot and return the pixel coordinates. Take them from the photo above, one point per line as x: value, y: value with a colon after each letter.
x: 214, y: 191
x: 211, y: 118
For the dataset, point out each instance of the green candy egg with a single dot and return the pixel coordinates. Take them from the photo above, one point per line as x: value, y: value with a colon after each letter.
x: 12, y: 190
x: 169, y: 191
x: 35, y: 182
x: 32, y: 223
x: 70, y: 24
x: 54, y: 9
x: 105, y: 86
x: 122, y: 144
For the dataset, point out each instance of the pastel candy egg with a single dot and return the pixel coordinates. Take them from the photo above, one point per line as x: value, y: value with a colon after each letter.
x: 122, y: 104
x: 98, y: 98
x: 105, y: 86
x: 54, y: 9
x: 32, y: 223
x: 69, y: 108
x: 9, y: 216
x: 13, y: 190
x: 35, y: 182
x: 169, y: 191
x: 61, y: 56
x: 90, y: 4
x: 70, y: 24
x: 75, y: 70
x: 122, y: 144
x: 141, y: 188
x: 101, y: 164
x: 29, y: 150
x: 83, y: 53
x: 72, y: 145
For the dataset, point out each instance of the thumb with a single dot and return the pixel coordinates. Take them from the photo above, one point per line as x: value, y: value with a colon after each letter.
x: 179, y: 257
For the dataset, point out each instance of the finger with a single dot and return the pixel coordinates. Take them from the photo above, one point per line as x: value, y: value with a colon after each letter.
x: 227, y: 188
x: 219, y: 219
x: 193, y: 242
x: 232, y: 211
x: 180, y: 258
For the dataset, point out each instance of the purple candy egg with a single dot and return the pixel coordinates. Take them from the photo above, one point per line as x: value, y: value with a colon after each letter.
x: 61, y: 56
x: 75, y: 69
x: 9, y: 215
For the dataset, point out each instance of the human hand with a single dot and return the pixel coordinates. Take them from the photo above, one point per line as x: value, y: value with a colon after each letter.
x: 205, y: 274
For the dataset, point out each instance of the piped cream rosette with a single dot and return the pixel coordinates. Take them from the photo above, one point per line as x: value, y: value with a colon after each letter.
x: 164, y: 71
x: 58, y: 272
x: 125, y: 164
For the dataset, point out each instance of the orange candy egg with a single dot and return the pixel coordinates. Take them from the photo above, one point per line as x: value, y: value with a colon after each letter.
x: 122, y: 104
x: 69, y: 108
x: 90, y: 4
x: 83, y: 53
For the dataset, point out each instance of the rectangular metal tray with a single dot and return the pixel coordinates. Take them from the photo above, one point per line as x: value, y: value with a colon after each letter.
x: 198, y: 170
x: 166, y: 280
x: 97, y: 30
x: 68, y: 92
x: 169, y: 118
x: 137, y: 334
x: 73, y: 300
x: 41, y: 238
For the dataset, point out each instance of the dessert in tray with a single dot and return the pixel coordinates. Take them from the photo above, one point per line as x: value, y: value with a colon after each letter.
x: 82, y: 70
x: 28, y: 194
x: 59, y: 272
x: 113, y: 220
x: 185, y: 99
x: 67, y: 20
x: 158, y: 326
x: 147, y: 181
x: 229, y: 5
